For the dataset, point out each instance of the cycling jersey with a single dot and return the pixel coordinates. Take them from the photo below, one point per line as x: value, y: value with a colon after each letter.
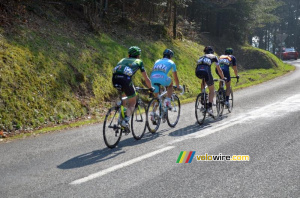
x: 225, y: 61
x: 203, y: 69
x: 160, y: 72
x: 123, y: 73
x: 129, y: 66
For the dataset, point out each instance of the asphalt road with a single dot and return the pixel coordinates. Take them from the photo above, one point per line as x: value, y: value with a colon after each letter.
x: 264, y: 125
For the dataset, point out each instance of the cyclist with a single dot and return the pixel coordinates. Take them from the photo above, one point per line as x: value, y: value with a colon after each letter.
x: 225, y: 61
x: 203, y: 71
x: 122, y: 75
x: 159, y: 75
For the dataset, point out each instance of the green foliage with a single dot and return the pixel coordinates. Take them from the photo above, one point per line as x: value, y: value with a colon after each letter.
x: 60, y: 72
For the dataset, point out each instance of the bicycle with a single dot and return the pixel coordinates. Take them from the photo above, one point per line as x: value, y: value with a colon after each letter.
x: 156, y: 111
x: 221, y: 97
x: 201, y: 105
x: 112, y: 129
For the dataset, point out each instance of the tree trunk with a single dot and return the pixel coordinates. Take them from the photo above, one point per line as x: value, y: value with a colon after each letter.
x: 174, y: 21
x: 105, y: 7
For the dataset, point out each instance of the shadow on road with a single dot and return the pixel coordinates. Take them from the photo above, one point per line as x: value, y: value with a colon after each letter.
x: 107, y: 153
x: 91, y: 158
x: 195, y: 127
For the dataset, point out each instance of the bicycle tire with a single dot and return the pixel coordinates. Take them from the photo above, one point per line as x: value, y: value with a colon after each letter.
x: 200, y: 108
x: 230, y: 101
x: 155, y: 107
x: 175, y: 103
x: 112, y: 128
x: 138, y: 121
x: 220, y: 102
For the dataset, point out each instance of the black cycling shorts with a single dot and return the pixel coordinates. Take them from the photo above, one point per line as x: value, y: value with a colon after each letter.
x: 126, y: 83
x: 204, y: 72
x: 226, y: 73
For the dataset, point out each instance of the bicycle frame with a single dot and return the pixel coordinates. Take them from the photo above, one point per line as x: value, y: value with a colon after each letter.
x: 115, y: 116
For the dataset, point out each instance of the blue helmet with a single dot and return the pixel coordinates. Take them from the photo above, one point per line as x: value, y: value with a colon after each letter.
x: 168, y: 53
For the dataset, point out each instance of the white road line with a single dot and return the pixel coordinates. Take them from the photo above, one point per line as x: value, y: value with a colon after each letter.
x: 268, y: 111
x: 277, y: 109
x: 119, y: 166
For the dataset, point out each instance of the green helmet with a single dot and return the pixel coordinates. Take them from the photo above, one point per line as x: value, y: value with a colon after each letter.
x: 228, y: 51
x: 134, y: 51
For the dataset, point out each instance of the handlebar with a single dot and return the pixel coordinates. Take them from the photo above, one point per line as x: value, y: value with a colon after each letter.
x: 144, y: 90
x: 237, y: 78
x: 183, y: 89
x: 221, y: 80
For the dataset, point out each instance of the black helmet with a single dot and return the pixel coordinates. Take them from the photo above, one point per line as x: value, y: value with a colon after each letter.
x: 228, y: 51
x: 208, y: 50
x: 168, y: 53
x: 134, y: 51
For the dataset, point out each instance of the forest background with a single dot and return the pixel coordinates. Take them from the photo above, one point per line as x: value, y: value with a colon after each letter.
x: 57, y: 56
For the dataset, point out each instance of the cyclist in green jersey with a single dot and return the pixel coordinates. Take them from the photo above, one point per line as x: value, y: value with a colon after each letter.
x: 122, y: 76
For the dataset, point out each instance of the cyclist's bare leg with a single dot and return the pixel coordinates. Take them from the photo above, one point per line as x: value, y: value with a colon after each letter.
x: 202, y: 84
x: 211, y: 93
x: 170, y: 90
x: 131, y: 106
x: 228, y: 88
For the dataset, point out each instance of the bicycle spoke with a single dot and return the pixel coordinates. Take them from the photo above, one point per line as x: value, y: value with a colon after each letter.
x: 153, y: 115
x: 200, y: 108
x: 138, y: 121
x: 230, y: 101
x: 111, y: 128
x: 219, y: 103
x: 174, y: 111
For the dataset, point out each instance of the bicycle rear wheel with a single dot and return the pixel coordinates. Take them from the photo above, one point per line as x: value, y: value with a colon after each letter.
x: 173, y: 114
x: 230, y: 101
x: 112, y: 131
x: 200, y: 108
x: 153, y: 115
x: 219, y: 103
x: 138, y: 121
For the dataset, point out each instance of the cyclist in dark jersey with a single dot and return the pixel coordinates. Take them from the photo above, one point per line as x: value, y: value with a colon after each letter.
x: 225, y: 61
x: 203, y: 71
x: 122, y: 75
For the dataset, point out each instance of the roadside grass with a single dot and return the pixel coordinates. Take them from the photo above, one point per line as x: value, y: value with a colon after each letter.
x: 49, y: 79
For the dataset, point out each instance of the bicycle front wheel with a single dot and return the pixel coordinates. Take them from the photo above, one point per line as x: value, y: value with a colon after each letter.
x: 230, y: 101
x: 173, y: 114
x: 154, y: 115
x: 138, y: 121
x: 200, y: 108
x: 111, y: 128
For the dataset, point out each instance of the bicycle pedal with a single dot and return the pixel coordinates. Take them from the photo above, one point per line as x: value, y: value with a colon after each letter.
x: 126, y: 130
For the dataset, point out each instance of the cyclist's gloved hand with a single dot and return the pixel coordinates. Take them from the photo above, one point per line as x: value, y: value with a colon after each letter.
x: 238, y: 77
x: 225, y: 79
x: 152, y: 89
x: 180, y: 88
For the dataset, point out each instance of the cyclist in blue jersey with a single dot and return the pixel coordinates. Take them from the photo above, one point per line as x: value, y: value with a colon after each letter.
x: 122, y: 75
x: 159, y: 75
x: 225, y: 61
x: 203, y: 71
